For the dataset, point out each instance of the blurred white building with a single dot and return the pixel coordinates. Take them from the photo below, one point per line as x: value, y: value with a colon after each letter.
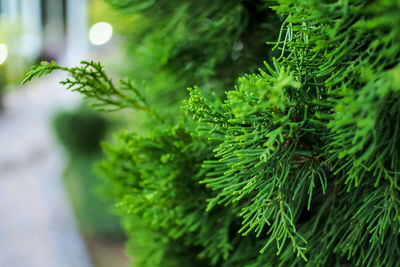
x: 46, y: 28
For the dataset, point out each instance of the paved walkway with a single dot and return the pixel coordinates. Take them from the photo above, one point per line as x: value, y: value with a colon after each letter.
x: 37, y: 228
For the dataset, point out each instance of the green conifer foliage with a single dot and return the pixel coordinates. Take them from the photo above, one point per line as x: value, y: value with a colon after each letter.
x: 177, y: 44
x: 297, y: 166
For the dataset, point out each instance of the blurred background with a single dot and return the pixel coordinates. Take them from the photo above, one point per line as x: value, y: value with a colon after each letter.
x: 51, y: 204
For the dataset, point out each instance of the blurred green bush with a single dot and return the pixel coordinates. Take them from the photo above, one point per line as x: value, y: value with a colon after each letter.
x: 172, y: 45
x: 80, y: 131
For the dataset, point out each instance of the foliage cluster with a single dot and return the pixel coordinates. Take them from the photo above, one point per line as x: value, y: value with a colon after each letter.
x: 172, y: 45
x: 299, y: 162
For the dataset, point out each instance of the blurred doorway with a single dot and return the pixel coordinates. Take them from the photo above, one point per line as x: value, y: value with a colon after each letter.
x: 53, y: 22
x: 47, y: 29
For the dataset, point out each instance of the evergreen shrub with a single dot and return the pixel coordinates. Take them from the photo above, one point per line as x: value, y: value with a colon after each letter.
x: 172, y: 45
x: 298, y: 165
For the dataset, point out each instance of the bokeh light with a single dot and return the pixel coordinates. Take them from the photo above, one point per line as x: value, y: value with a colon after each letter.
x: 100, y: 33
x: 3, y: 53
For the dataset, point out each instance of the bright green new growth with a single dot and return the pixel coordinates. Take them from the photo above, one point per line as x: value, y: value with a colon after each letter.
x: 91, y: 81
x: 300, y: 162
